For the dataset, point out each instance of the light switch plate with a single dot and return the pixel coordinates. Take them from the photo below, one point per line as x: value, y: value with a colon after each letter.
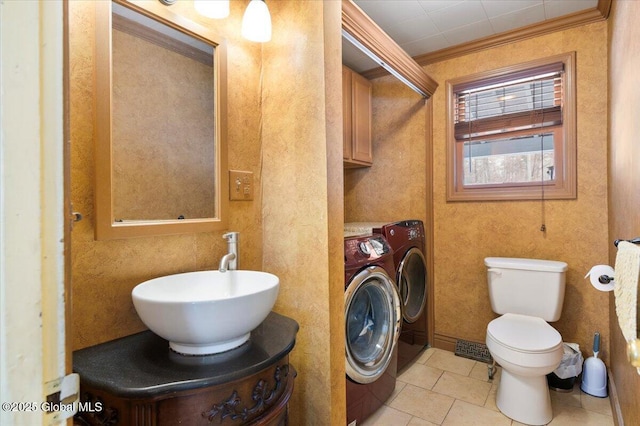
x: 240, y: 185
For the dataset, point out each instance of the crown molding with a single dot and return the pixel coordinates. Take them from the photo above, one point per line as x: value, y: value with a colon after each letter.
x: 588, y: 16
x: 373, y: 39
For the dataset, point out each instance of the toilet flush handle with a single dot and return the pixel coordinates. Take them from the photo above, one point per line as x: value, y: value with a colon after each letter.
x: 498, y: 272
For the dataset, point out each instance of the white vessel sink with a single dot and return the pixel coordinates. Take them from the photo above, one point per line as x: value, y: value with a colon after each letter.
x: 206, y: 312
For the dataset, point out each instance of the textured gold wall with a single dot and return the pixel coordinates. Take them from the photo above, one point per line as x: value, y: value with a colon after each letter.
x: 302, y: 197
x: 467, y: 232
x: 624, y: 178
x: 332, y: 18
x: 105, y: 272
x: 395, y: 187
x: 284, y: 121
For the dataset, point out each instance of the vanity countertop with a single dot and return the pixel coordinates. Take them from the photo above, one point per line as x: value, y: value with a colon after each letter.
x: 142, y: 365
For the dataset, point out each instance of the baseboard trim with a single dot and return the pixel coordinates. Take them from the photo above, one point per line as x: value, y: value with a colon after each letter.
x: 614, y: 401
x: 443, y: 342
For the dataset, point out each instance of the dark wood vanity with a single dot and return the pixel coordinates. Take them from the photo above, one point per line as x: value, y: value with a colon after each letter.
x: 138, y: 380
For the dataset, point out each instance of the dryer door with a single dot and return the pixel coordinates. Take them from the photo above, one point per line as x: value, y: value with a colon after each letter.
x: 412, y: 283
x: 373, y: 318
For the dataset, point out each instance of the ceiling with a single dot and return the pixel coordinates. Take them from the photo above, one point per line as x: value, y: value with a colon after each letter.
x: 424, y: 26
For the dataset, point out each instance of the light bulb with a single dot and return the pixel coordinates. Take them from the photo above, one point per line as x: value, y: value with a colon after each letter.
x: 216, y: 9
x: 256, y: 22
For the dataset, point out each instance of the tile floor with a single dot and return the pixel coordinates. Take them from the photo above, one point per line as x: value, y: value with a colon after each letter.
x: 440, y: 388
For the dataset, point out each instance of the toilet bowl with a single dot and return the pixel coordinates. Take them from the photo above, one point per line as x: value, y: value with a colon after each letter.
x: 527, y: 293
x: 527, y: 348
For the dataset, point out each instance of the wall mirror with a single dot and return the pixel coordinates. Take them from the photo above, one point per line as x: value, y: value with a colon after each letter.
x: 160, y: 152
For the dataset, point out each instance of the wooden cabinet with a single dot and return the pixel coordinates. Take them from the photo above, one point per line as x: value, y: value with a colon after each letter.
x: 356, y: 104
x: 258, y: 400
x: 137, y: 380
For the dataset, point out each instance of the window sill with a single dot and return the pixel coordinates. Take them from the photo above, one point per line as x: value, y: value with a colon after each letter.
x: 511, y: 194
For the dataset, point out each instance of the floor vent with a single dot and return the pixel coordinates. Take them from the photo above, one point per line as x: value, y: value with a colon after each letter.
x: 473, y: 350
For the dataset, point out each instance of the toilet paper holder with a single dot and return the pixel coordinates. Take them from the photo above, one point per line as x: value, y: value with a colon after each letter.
x: 605, y: 279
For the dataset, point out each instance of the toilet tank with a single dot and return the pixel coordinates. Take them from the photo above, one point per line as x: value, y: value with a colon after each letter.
x: 526, y: 286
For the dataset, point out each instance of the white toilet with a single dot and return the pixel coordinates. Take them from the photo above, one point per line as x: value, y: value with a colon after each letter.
x: 527, y: 293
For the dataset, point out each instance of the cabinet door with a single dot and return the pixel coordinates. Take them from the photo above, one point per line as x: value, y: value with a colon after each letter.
x: 361, y: 150
x: 347, y: 123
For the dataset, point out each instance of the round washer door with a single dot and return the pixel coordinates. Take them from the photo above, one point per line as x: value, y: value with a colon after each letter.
x: 412, y: 283
x: 373, y: 318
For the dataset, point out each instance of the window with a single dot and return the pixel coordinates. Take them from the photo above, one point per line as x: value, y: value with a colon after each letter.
x: 511, y: 133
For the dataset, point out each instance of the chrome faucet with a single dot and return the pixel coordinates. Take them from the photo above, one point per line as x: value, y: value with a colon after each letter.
x: 230, y: 260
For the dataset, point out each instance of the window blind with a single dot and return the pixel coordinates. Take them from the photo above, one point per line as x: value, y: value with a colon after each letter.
x: 524, y: 100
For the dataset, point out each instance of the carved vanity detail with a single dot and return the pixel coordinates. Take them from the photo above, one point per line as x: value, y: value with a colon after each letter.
x: 138, y: 380
x: 263, y: 397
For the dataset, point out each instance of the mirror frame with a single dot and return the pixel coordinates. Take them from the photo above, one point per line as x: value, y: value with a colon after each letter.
x: 105, y: 226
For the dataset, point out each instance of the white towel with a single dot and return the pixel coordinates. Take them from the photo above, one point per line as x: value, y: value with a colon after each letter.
x: 627, y: 271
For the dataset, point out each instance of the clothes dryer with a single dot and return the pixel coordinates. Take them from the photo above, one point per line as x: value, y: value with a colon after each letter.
x: 373, y: 318
x: 408, y: 242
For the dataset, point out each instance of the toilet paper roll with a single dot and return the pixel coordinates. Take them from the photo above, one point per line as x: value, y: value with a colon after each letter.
x: 595, y: 273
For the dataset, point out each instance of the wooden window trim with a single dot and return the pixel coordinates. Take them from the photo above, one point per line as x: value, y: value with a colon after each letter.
x: 565, y: 186
x: 521, y: 190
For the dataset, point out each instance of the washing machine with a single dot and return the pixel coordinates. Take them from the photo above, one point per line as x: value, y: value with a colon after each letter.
x: 407, y: 240
x: 373, y: 317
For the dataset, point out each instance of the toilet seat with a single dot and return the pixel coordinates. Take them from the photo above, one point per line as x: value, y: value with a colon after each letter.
x: 523, y: 333
x: 528, y: 349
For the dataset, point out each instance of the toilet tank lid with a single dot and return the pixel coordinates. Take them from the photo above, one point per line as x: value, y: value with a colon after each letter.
x: 525, y: 264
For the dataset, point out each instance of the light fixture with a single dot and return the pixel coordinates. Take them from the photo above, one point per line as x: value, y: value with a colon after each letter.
x: 256, y: 22
x: 216, y: 9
